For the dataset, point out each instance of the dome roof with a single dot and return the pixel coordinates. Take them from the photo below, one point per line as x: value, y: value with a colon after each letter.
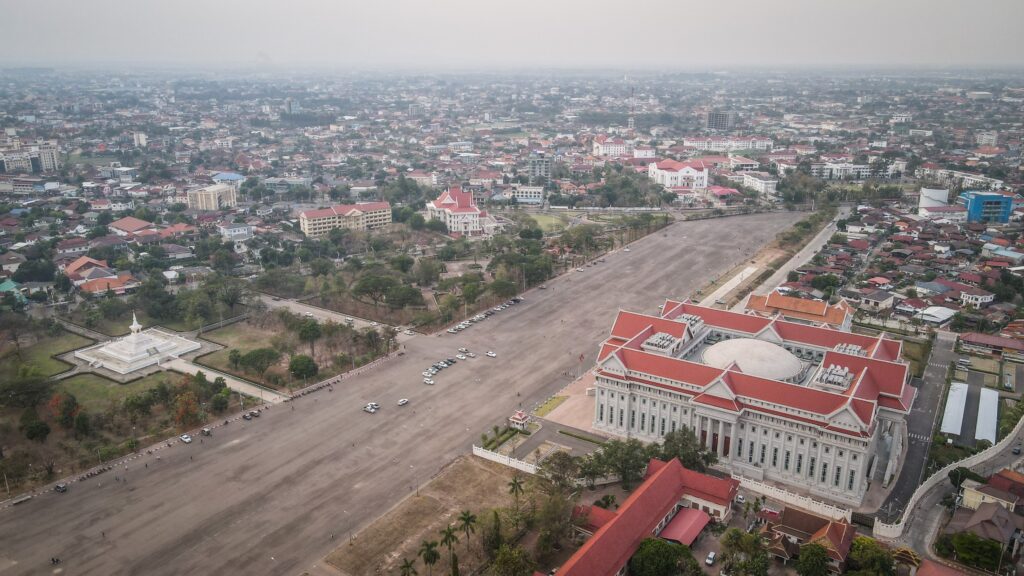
x: 754, y: 357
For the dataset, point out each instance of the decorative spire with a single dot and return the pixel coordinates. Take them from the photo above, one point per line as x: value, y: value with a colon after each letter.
x: 135, y: 327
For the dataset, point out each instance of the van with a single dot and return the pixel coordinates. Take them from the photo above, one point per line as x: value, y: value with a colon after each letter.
x: 964, y: 361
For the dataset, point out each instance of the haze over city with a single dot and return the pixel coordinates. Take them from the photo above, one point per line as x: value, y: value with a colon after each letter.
x: 530, y: 34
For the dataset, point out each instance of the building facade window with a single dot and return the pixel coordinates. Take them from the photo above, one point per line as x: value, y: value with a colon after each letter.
x: 785, y: 463
x: 810, y: 467
x: 761, y: 459
x: 775, y: 457
x: 824, y: 472
x: 853, y: 475
x: 799, y: 462
x: 600, y: 413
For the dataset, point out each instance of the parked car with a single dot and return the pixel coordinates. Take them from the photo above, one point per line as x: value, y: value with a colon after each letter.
x: 62, y: 487
x: 369, y: 409
x: 491, y: 354
x: 403, y: 401
x: 247, y: 416
x: 186, y: 438
x: 460, y: 356
x: 1016, y: 450
x: 428, y: 381
x: 710, y: 560
x: 207, y: 432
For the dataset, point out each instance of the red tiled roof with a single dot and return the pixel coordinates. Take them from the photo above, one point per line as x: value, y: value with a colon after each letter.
x: 610, y: 548
x: 130, y: 224
x: 686, y: 526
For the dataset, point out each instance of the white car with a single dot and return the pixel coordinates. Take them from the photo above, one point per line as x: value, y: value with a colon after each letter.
x: 403, y: 401
x: 186, y: 438
x: 625, y: 250
x: 369, y: 409
x: 427, y: 374
x: 471, y: 355
x: 408, y: 332
x: 491, y: 354
x: 463, y: 350
x: 428, y: 381
x: 460, y: 356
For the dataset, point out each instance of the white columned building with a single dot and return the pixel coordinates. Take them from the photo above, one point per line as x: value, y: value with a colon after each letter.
x: 812, y: 408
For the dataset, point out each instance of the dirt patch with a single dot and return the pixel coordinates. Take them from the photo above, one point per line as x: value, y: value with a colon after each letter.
x: 470, y: 483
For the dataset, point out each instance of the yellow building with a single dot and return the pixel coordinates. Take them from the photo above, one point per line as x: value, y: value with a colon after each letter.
x: 974, y: 494
x: 366, y: 216
x: 212, y: 198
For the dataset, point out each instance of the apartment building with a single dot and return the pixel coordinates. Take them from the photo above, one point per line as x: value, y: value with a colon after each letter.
x: 211, y: 198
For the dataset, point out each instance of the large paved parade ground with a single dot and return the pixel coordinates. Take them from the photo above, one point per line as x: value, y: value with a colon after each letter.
x: 264, y: 497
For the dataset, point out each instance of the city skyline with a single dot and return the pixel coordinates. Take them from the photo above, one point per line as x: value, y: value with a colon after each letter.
x: 401, y: 35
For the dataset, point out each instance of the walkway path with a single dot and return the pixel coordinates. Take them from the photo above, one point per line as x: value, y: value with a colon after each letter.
x: 798, y: 260
x: 265, y: 394
x: 76, y: 329
x: 729, y: 286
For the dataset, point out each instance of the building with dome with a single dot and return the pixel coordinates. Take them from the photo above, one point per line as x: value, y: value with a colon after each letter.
x: 139, y: 349
x: 811, y: 407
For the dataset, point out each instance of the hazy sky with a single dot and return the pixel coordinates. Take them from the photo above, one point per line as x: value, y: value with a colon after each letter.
x: 480, y: 34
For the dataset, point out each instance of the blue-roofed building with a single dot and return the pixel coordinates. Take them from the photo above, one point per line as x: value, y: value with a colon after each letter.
x: 986, y: 206
x: 231, y: 178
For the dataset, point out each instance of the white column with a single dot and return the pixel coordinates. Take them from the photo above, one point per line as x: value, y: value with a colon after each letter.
x: 721, y: 439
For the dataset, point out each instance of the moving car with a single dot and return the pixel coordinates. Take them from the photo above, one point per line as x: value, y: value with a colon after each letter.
x: 491, y: 354
x: 403, y: 401
x: 186, y: 438
x: 1016, y: 450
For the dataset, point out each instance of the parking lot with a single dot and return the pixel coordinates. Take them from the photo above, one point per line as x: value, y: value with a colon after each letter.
x: 270, y: 495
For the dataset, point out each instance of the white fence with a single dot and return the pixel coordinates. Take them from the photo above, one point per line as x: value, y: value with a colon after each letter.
x: 894, y: 531
x: 794, y: 499
x: 506, y: 460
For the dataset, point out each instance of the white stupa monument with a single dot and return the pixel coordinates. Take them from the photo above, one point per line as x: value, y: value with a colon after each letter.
x: 137, y: 350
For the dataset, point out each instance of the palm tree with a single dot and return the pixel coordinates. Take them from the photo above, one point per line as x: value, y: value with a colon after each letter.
x: 449, y: 540
x: 467, y: 523
x: 515, y: 488
x: 428, y: 551
x: 407, y: 568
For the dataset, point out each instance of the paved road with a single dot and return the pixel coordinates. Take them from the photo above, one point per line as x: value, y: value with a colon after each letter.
x: 263, y: 497
x: 921, y: 423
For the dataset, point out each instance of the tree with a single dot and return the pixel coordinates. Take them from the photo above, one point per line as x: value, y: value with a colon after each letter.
x: 63, y: 408
x: 503, y: 288
x: 682, y: 443
x: 428, y: 552
x: 657, y: 557
x: 467, y: 523
x: 515, y: 488
x: 186, y: 409
x: 303, y: 366
x: 402, y: 262
x: 449, y: 539
x: 407, y: 568
x: 37, y: 431
x: 490, y: 535
x: 260, y: 359
x: 813, y: 561
x: 27, y: 389
x: 625, y: 458
x: 233, y: 357
x: 590, y: 468
x: 310, y: 331
x: 976, y: 551
x: 82, y: 424
x: 560, y: 471
x: 744, y: 554
x: 511, y: 561
x: 868, y: 558
x: 374, y: 287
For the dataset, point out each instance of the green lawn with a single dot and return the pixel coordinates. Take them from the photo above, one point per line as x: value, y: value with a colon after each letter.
x: 95, y: 392
x: 549, y: 222
x: 41, y: 354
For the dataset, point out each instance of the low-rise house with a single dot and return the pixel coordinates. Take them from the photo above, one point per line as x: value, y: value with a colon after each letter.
x: 802, y: 310
x: 129, y: 225
x: 791, y: 529
x: 11, y: 261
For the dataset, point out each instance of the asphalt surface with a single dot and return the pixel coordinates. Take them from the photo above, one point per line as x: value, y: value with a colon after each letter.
x: 920, y: 424
x: 969, y: 427
x: 274, y: 495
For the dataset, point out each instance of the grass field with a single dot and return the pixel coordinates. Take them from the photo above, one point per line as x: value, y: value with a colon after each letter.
x: 552, y: 403
x: 95, y: 393
x: 470, y: 483
x: 550, y: 222
x: 245, y: 337
x: 40, y: 355
x: 915, y: 352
